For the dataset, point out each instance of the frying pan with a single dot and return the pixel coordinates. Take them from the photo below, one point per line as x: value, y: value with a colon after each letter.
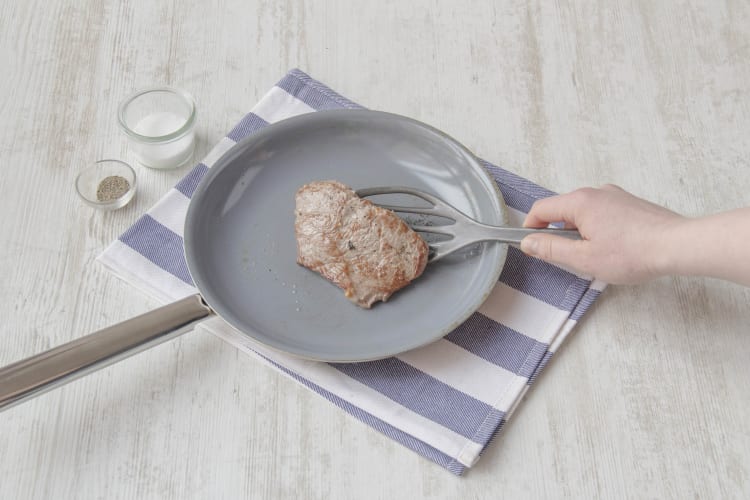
x: 240, y: 250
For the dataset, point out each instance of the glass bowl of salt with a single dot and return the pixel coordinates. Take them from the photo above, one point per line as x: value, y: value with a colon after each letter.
x: 160, y: 125
x: 107, y: 184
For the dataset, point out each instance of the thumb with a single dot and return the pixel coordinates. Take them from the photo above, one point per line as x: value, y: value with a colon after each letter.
x: 554, y: 249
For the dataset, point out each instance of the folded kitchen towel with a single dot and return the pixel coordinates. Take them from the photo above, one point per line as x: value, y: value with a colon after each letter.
x: 445, y: 401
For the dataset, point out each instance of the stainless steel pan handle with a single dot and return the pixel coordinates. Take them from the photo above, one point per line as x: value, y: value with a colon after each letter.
x: 38, y: 374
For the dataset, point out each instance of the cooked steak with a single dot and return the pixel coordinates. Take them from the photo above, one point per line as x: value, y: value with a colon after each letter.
x: 366, y: 250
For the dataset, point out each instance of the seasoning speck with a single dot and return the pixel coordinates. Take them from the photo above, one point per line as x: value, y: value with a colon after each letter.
x: 111, y: 188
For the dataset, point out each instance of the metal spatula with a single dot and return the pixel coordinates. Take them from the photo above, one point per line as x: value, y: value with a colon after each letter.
x: 464, y: 230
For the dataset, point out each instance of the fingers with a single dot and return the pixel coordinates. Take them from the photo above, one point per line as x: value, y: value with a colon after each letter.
x: 561, y: 208
x: 555, y: 249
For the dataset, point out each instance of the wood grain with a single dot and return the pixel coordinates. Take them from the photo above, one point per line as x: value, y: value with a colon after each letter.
x: 649, y: 399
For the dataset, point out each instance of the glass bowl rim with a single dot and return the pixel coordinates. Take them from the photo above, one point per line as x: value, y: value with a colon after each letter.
x: 95, y: 166
x: 187, y: 98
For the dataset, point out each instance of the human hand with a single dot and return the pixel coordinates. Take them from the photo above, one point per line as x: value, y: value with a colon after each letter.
x: 623, y: 236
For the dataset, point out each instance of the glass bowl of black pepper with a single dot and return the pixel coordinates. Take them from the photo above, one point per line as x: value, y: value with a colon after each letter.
x: 107, y: 184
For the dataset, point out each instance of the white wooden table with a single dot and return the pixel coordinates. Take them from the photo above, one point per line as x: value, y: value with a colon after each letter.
x: 650, y: 397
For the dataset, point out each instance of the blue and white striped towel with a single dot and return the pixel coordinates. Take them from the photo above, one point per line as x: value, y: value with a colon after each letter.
x: 445, y: 401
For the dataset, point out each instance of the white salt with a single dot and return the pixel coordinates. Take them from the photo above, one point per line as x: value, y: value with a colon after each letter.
x: 163, y: 154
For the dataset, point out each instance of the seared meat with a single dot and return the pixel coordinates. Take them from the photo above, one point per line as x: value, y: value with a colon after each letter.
x: 366, y: 250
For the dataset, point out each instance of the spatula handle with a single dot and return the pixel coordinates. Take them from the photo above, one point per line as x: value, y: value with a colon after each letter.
x: 516, y: 234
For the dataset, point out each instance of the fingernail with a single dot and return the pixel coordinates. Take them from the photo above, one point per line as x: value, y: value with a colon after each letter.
x: 529, y: 245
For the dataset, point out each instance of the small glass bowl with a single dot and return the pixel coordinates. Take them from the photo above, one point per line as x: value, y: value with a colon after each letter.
x: 88, y: 181
x: 159, y: 123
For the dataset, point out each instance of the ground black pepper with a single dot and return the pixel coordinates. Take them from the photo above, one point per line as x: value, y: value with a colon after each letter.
x: 111, y: 188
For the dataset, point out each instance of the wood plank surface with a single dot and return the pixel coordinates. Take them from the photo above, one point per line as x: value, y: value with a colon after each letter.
x: 648, y: 399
